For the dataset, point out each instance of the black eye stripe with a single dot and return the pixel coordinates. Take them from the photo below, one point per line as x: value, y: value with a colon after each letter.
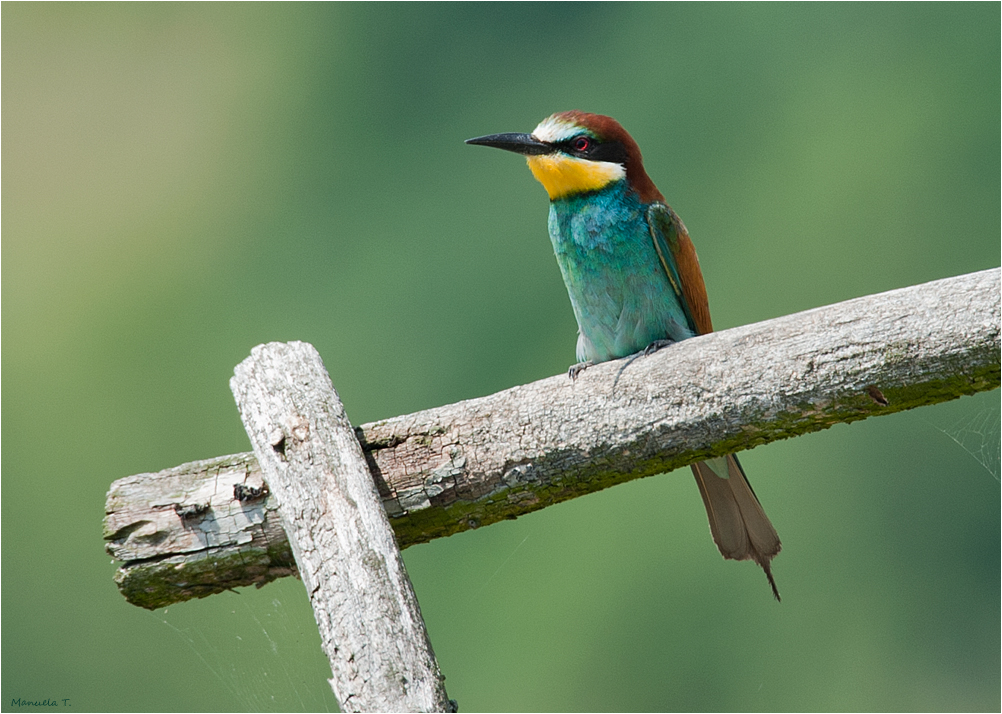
x: 597, y: 150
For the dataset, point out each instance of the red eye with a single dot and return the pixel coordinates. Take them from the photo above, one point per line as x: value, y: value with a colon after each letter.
x: 582, y: 143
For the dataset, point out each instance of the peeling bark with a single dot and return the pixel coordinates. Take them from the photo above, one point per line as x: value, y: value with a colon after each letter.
x: 465, y: 465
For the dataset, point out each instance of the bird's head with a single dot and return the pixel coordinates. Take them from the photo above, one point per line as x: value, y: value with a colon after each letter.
x: 577, y: 152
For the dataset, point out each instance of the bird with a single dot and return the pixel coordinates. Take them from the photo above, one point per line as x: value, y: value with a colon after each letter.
x: 634, y: 283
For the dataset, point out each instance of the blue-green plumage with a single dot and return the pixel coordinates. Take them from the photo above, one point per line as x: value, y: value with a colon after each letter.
x: 621, y: 295
x: 634, y: 282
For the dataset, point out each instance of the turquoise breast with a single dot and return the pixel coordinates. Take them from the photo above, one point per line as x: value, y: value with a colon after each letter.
x: 621, y: 296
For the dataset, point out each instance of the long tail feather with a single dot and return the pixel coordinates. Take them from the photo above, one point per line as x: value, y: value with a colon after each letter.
x: 738, y: 524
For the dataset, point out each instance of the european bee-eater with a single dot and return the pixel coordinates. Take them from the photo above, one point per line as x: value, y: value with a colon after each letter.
x: 634, y: 281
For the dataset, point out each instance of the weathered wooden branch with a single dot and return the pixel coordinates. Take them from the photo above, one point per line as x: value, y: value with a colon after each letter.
x: 473, y: 463
x: 370, y: 623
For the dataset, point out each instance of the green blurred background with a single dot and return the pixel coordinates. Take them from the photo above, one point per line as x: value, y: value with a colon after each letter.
x: 183, y: 182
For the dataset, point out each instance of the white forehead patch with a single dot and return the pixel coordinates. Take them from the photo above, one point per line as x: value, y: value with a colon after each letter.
x: 553, y: 129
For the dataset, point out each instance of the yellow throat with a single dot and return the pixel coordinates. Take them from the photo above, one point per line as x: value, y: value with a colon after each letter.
x: 563, y: 175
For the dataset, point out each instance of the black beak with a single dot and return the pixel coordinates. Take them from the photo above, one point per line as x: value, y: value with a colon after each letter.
x: 519, y: 143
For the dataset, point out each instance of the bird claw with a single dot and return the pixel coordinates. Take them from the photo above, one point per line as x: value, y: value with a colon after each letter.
x: 656, y: 345
x: 575, y: 369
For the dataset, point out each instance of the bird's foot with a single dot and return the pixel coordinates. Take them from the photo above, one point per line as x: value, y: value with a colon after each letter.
x: 575, y: 369
x: 647, y: 351
x: 656, y: 345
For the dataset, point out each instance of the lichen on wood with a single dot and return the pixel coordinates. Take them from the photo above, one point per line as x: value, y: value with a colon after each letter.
x: 470, y: 464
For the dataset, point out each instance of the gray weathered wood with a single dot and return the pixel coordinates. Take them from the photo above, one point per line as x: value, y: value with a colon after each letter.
x: 470, y: 464
x: 369, y: 620
x: 184, y: 533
